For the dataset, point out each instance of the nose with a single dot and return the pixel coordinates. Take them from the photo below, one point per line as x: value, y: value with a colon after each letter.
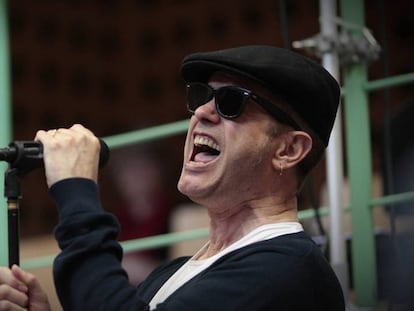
x: 207, y: 112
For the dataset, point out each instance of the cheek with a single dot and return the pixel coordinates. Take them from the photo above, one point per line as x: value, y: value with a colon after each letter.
x: 250, y: 159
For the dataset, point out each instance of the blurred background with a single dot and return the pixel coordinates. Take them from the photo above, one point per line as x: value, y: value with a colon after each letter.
x: 113, y: 66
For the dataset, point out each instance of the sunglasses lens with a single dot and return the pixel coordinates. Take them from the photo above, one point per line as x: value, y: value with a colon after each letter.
x: 197, y: 95
x: 230, y: 102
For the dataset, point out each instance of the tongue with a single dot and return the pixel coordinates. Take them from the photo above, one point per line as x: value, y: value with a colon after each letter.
x: 204, y: 157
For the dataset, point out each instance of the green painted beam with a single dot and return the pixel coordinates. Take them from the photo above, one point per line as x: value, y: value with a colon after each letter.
x: 147, y: 134
x: 131, y: 245
x: 359, y: 172
x: 175, y: 237
x: 393, y: 81
x: 357, y: 127
x: 154, y: 241
x: 5, y: 125
x: 393, y: 199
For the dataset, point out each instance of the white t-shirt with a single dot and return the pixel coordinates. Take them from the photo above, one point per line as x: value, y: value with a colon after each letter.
x: 193, y: 267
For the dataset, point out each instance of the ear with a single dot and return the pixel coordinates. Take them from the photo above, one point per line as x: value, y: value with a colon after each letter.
x: 292, y: 148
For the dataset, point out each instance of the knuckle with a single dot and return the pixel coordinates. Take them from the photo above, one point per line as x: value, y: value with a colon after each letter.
x: 30, y: 279
x: 4, y: 291
x: 5, y: 305
x: 95, y: 140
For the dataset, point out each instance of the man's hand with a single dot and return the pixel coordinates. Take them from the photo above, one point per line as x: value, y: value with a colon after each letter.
x: 20, y: 290
x: 69, y: 153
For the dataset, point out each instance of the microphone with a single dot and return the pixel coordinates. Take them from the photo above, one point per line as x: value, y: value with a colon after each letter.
x: 28, y: 155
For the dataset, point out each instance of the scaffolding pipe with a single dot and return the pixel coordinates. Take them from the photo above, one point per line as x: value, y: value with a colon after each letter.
x: 5, y: 126
x: 147, y: 134
x: 334, y: 157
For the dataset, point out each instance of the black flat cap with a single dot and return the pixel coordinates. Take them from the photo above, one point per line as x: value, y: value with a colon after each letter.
x: 308, y: 88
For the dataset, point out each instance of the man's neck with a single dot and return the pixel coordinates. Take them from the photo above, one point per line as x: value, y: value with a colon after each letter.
x: 228, y: 227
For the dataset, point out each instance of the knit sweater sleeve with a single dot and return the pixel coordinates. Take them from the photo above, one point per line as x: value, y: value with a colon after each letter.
x: 88, y: 273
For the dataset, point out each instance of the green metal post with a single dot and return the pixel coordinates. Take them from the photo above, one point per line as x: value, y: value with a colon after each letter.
x: 5, y: 125
x: 357, y: 125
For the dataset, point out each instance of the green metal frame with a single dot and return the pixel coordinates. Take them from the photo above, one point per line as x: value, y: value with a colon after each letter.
x: 148, y: 134
x: 160, y: 240
x: 5, y: 124
x: 357, y: 129
x: 360, y: 180
x: 359, y: 154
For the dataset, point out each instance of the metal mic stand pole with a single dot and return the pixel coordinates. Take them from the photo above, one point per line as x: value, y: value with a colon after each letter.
x: 13, y: 195
x: 23, y: 157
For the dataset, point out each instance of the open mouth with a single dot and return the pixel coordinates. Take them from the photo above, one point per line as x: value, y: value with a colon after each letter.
x: 205, y: 149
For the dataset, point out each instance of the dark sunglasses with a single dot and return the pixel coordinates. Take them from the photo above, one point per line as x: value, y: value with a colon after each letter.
x: 231, y: 101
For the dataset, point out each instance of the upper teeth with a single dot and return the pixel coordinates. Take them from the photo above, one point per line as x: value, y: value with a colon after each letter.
x: 202, y: 140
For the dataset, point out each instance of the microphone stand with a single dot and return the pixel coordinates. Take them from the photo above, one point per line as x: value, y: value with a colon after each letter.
x: 23, y: 157
x: 26, y: 157
x: 12, y: 192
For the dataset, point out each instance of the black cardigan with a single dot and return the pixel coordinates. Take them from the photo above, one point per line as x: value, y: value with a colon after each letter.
x: 284, y: 273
